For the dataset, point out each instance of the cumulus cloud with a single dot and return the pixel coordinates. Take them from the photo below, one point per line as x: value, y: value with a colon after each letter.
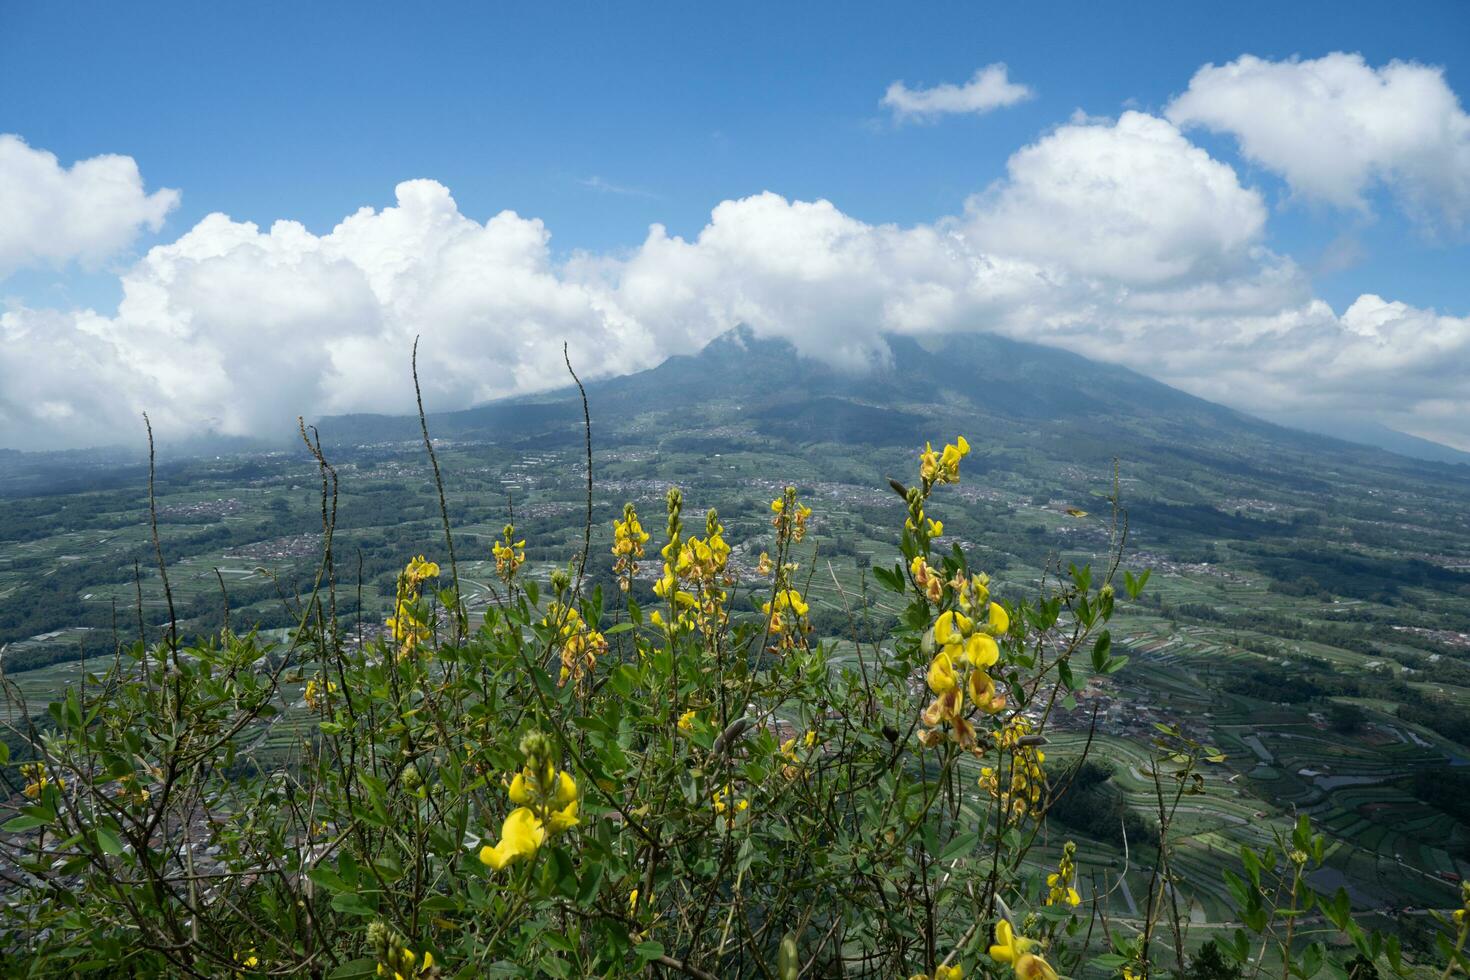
x: 1335, y: 127
x: 990, y: 88
x: 1130, y: 200
x: 1149, y: 253
x: 50, y: 214
x: 236, y: 330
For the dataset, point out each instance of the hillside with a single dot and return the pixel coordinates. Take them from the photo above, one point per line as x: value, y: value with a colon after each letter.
x: 1308, y: 610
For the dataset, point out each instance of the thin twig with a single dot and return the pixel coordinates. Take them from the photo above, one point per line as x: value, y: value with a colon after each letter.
x: 418, y: 393
x: 587, y: 426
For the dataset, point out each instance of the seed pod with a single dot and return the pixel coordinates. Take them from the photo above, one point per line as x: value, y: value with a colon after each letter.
x: 788, y: 964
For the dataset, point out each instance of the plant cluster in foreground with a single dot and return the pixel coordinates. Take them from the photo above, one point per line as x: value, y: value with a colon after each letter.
x: 572, y: 788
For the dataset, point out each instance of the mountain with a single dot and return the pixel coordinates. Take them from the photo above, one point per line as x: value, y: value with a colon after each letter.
x: 1012, y: 399
x: 742, y: 391
x: 1374, y: 434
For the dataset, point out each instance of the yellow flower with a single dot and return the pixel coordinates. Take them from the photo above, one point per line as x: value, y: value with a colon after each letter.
x: 686, y: 721
x: 926, y: 579
x: 1009, y: 947
x: 628, y: 541
x: 942, y: 972
x: 942, y: 467
x: 580, y: 644
x: 546, y: 801
x: 509, y: 554
x: 951, y: 626
x: 129, y: 789
x: 791, y: 517
x: 1032, y: 967
x: 403, y: 964
x: 722, y: 804
x: 418, y: 569
x: 787, y: 615
x: 956, y: 633
x: 984, y: 694
x: 37, y: 779
x: 1028, y: 779
x: 1059, y: 883
x: 928, y: 463
x: 1061, y: 893
x: 981, y: 650
x: 408, y: 627
x: 942, y: 677
x: 556, y: 794
x: 1000, y: 620
x: 521, y: 836
x: 628, y: 534
x: 318, y: 692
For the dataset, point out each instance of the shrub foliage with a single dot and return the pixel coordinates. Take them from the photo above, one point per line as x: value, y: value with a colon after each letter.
x: 568, y: 784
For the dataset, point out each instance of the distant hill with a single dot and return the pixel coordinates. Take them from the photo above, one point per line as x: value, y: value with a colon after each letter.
x: 1373, y: 434
x: 742, y: 389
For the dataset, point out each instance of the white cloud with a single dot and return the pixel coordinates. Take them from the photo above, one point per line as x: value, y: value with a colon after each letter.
x: 51, y: 214
x: 1130, y: 200
x: 238, y: 330
x: 989, y: 89
x: 1152, y: 257
x: 1335, y: 127
x: 602, y: 186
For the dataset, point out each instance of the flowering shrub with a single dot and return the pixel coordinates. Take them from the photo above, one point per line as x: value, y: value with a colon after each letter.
x: 564, y: 788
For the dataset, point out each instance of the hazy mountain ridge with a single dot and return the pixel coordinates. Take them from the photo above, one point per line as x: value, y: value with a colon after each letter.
x: 744, y: 386
x: 1000, y: 385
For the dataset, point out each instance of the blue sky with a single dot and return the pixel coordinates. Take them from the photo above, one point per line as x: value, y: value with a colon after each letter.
x: 603, y: 119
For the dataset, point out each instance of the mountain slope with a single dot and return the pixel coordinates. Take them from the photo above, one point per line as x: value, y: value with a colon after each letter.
x: 743, y: 390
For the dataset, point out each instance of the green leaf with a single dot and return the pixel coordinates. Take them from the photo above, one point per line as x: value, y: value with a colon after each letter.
x: 649, y: 950
x: 590, y: 883
x: 623, y: 679
x: 351, y: 903
x: 109, y: 842
x: 890, y: 579
x: 618, y: 628
x: 1311, y: 961
x: 1252, y: 864
x: 23, y: 823
x: 1237, y: 887
x: 1135, y: 585
x: 1100, y: 649
x: 363, y: 966
x: 963, y: 844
